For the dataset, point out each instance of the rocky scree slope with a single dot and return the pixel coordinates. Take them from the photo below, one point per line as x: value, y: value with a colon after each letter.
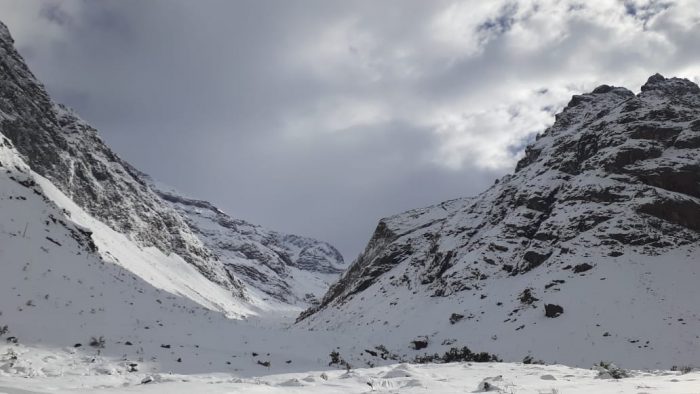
x: 589, y: 251
x: 60, y: 146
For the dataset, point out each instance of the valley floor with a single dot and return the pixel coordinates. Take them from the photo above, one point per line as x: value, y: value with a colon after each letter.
x: 404, y: 378
x: 234, y: 368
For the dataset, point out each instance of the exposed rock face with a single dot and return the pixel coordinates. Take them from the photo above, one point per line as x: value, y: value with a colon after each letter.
x: 615, y: 179
x: 60, y: 146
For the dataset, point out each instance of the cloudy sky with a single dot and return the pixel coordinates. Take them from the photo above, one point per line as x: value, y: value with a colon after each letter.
x: 320, y: 117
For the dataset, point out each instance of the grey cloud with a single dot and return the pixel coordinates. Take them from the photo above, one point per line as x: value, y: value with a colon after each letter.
x: 502, y: 23
x: 320, y: 117
x: 53, y: 13
x: 645, y: 11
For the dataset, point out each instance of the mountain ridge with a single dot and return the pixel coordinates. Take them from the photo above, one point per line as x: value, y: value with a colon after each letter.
x: 263, y: 258
x: 611, y: 187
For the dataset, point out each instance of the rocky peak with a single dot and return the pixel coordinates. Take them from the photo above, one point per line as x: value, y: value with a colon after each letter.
x: 672, y: 86
x: 5, y: 33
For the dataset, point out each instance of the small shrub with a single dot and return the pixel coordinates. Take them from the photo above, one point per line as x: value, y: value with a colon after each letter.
x: 530, y: 360
x: 683, y: 369
x: 527, y: 298
x: 98, y: 342
x: 385, y: 354
x: 463, y: 354
x: 336, y: 359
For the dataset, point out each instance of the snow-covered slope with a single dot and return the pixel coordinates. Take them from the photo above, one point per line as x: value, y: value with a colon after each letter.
x: 289, y: 268
x: 55, y: 288
x: 63, y: 287
x: 398, y: 378
x: 601, y: 219
x: 58, y: 145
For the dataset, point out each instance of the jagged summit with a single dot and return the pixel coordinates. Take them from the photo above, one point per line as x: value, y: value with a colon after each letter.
x: 654, y: 80
x: 674, y: 86
x: 5, y: 33
x: 601, y: 217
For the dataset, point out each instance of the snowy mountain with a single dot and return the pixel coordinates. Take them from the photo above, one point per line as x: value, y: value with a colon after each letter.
x: 58, y: 145
x: 289, y: 268
x: 590, y: 251
x: 104, y: 274
x: 78, y: 298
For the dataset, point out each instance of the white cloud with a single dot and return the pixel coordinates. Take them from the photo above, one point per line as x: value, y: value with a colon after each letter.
x: 462, y: 28
x: 565, y: 46
x: 492, y: 137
